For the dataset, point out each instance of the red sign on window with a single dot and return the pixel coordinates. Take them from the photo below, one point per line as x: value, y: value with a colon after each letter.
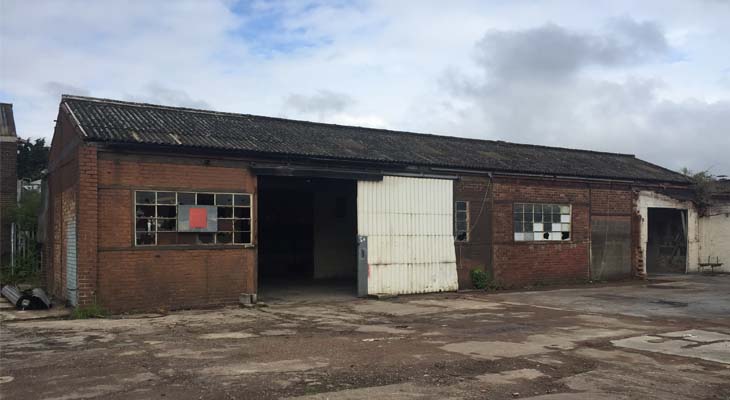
x: 198, y: 218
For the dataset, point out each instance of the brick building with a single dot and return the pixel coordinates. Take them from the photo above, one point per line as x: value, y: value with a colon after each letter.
x: 8, y: 177
x: 153, y: 206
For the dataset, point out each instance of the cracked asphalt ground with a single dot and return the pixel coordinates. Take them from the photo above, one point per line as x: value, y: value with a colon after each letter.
x: 656, y: 340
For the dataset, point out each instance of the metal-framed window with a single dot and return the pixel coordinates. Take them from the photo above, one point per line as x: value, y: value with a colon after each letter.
x: 156, y: 218
x: 542, y: 222
x: 461, y: 221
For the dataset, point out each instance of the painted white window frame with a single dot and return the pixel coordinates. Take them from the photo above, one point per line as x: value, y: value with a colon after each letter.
x: 246, y: 237
x: 456, y: 221
x: 523, y: 235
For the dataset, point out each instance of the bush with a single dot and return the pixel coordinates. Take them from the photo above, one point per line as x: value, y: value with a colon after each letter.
x: 91, y: 311
x: 479, y: 278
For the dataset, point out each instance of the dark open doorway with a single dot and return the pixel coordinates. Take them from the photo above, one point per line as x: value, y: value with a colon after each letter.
x: 307, y: 238
x: 667, y: 241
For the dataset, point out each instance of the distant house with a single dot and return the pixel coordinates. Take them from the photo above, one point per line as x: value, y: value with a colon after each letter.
x: 155, y: 206
x: 8, y: 178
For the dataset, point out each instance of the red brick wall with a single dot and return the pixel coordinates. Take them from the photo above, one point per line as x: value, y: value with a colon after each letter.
x: 8, y: 192
x: 144, y: 278
x: 63, y: 178
x: 525, y: 263
x: 476, y: 253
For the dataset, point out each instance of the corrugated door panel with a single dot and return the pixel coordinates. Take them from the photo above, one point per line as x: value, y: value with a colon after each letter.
x: 408, y: 225
x: 71, y: 286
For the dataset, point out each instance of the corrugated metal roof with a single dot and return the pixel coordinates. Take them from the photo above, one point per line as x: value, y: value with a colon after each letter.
x: 126, y: 122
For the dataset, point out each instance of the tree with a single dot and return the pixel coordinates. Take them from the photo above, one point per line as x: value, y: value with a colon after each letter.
x: 32, y: 159
x: 703, y: 184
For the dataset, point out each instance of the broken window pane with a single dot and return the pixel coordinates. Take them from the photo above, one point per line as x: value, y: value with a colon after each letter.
x: 167, y: 211
x: 205, y: 238
x: 143, y: 224
x: 565, y: 235
x: 145, y: 238
x: 145, y: 211
x: 166, y: 225
x: 224, y: 237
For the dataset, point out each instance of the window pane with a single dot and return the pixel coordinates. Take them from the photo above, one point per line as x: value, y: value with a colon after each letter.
x: 205, y: 199
x: 556, y: 217
x: 205, y: 238
x: 519, y: 217
x: 565, y: 218
x: 242, y: 237
x: 460, y: 206
x: 461, y: 216
x: 168, y: 225
x: 241, y: 212
x: 145, y: 211
x: 564, y: 209
x: 144, y: 225
x: 224, y: 199
x: 529, y: 236
x: 224, y: 237
x: 528, y: 227
x: 225, y: 224
x: 537, y: 216
x: 242, y: 225
x: 186, y: 199
x: 556, y: 209
x: 166, y: 238
x: 242, y: 200
x: 167, y: 211
x: 518, y: 227
x: 566, y: 236
x: 527, y: 208
x: 518, y: 208
x: 165, y: 197
x: 547, y: 227
x: 225, y: 212
x: 187, y: 238
x: 145, y: 197
x: 145, y: 238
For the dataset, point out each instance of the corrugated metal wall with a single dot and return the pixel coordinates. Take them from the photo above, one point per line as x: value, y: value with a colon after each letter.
x: 71, y: 286
x: 408, y: 223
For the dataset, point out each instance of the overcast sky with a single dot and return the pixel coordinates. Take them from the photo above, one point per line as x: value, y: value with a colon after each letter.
x: 650, y: 78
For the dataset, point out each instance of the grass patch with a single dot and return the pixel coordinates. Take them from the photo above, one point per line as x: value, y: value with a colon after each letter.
x: 91, y: 311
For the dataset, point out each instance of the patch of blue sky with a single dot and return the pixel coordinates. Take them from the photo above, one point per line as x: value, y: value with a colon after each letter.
x: 264, y: 28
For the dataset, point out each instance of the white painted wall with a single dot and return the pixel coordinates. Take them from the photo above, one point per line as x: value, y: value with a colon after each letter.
x: 715, y: 235
x: 649, y: 199
x: 409, y: 226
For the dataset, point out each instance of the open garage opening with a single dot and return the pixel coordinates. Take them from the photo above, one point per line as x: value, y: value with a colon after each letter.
x: 307, y: 247
x: 667, y: 241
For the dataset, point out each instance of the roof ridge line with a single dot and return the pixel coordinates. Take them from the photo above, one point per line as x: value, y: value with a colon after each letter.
x: 398, y: 132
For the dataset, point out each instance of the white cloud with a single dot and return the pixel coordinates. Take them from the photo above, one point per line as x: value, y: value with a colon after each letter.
x: 640, y: 77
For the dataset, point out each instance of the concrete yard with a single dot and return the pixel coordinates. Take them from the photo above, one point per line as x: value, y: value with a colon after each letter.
x: 666, y: 339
